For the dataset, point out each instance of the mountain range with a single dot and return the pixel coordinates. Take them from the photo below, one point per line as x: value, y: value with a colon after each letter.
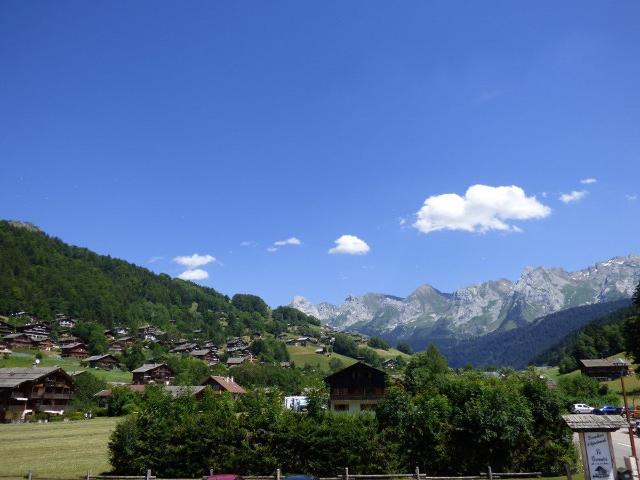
x: 428, y: 315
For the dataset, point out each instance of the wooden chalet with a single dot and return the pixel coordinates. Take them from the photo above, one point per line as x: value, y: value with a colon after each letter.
x: 356, y: 388
x: 205, y: 355
x: 6, y: 328
x: 75, y: 350
x: 24, y: 391
x: 604, y: 369
x: 17, y: 340
x: 105, y: 361
x: 221, y: 384
x: 153, y: 373
x: 35, y: 331
x: 235, y: 361
x: 46, y: 345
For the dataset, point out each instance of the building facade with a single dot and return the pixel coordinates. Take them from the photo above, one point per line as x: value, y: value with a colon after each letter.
x: 356, y: 388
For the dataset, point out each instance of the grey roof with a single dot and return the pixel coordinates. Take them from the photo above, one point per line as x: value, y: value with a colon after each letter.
x: 591, y: 422
x: 176, y: 390
x: 199, y: 353
x: 235, y: 360
x: 148, y: 366
x: 12, y: 377
x: 15, y: 335
x: 95, y: 358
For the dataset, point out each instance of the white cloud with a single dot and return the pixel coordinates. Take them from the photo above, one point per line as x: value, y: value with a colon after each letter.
x: 588, y: 181
x: 631, y: 197
x: 288, y: 241
x: 155, y: 259
x: 482, y: 208
x: 195, y: 274
x: 574, y: 196
x: 194, y: 260
x: 350, y: 245
x: 283, y: 243
x: 248, y: 243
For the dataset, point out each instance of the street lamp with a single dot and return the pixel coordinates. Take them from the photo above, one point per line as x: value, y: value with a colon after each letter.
x: 623, y: 367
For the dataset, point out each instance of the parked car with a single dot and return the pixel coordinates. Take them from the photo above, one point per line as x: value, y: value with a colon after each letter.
x: 608, y: 410
x: 300, y: 477
x: 224, y: 476
x: 581, y: 408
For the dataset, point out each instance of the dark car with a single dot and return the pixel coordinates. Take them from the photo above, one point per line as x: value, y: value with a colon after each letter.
x: 608, y: 410
x: 300, y: 477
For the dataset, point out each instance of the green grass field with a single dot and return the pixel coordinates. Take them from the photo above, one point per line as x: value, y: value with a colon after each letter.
x: 25, y: 358
x: 306, y: 356
x: 54, y: 450
x: 391, y: 353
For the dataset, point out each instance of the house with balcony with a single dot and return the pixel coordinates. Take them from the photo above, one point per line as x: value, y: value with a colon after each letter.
x: 150, y: 373
x: 105, y: 361
x: 17, y: 340
x: 26, y: 391
x: 356, y: 388
x: 75, y: 350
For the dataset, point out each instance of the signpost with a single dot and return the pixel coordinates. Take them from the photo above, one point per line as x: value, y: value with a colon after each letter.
x: 596, y: 446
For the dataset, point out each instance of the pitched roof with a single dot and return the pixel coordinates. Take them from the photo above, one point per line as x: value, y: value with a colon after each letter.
x: 199, y: 353
x: 15, y: 335
x: 148, y: 366
x: 601, y: 362
x: 73, y: 345
x: 590, y: 422
x: 95, y: 358
x: 235, y: 360
x: 226, y: 383
x: 357, y: 365
x: 12, y: 377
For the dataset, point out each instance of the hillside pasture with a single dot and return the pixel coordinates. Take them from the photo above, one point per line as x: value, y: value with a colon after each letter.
x: 55, y: 450
x: 302, y: 356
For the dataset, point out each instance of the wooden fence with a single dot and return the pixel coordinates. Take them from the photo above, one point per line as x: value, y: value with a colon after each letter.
x: 345, y: 475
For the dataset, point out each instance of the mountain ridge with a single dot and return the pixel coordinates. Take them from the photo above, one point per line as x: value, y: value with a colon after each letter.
x: 480, y: 308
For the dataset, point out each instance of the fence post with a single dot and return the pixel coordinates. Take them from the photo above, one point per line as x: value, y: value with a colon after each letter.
x: 417, y: 473
x: 88, y: 475
x: 277, y: 474
x: 568, y: 470
x: 346, y: 473
x: 490, y: 473
x: 29, y: 475
x: 210, y: 471
x: 148, y: 474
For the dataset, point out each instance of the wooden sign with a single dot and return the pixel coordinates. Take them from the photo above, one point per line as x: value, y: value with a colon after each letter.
x: 597, y: 455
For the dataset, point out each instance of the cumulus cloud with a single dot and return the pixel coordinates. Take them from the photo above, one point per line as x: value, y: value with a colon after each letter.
x: 350, y: 245
x: 155, y: 259
x: 574, y: 196
x: 288, y: 241
x: 482, y: 208
x: 194, y: 261
x: 194, y: 274
x: 588, y: 181
x: 283, y: 243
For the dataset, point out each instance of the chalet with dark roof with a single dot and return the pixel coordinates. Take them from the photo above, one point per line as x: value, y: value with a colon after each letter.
x: 604, y: 369
x: 205, y: 355
x: 105, y: 361
x: 24, y: 391
x: 150, y: 373
x: 17, y: 340
x: 75, y: 350
x: 356, y: 388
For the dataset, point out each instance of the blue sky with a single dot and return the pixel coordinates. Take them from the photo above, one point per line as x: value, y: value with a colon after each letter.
x: 153, y: 131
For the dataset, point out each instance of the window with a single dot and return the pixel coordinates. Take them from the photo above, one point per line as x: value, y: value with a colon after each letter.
x: 367, y: 406
x: 341, y: 407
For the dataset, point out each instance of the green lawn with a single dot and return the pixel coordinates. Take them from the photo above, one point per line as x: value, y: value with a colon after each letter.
x: 391, y: 353
x: 306, y: 356
x: 25, y: 358
x: 61, y: 449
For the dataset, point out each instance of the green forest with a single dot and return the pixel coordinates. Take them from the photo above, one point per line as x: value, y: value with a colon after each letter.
x: 43, y: 276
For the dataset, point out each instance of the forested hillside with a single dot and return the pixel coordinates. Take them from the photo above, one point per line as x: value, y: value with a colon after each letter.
x: 516, y: 348
x: 601, y: 338
x: 42, y: 275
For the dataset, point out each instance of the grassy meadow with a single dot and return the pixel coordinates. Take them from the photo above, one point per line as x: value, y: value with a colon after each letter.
x: 54, y: 450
